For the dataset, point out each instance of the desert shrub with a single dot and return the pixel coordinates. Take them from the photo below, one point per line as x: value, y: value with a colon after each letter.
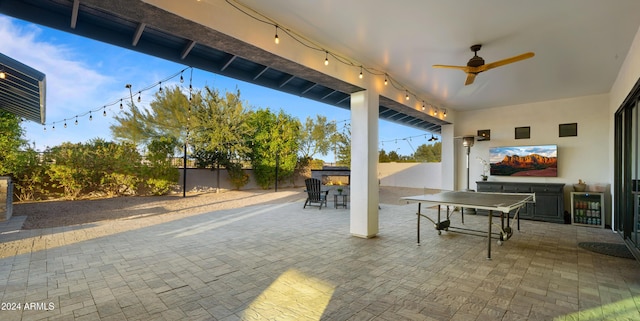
x: 158, y: 175
x: 29, y: 178
x: 157, y: 186
x: 116, y: 168
x: 95, y: 166
x: 120, y: 184
x: 237, y: 176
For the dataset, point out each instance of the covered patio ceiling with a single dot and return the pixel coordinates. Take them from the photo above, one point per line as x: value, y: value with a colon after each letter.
x: 22, y: 90
x: 139, y: 26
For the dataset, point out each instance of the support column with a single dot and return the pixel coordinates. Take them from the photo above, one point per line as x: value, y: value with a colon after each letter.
x: 364, y: 164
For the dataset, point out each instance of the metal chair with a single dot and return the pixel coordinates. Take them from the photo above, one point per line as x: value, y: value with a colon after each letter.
x: 315, y: 195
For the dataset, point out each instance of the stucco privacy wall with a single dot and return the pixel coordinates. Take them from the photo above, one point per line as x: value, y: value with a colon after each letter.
x: 6, y: 202
x: 585, y: 156
x: 417, y: 175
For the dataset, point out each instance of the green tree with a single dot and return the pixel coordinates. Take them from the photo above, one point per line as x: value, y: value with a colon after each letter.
x: 394, y: 156
x: 317, y: 137
x: 221, y: 133
x: 343, y: 147
x: 168, y: 116
x: 383, y: 157
x: 10, y: 142
x: 221, y: 129
x: 428, y: 153
x: 276, y: 137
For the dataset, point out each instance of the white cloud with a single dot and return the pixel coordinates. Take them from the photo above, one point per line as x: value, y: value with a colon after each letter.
x: 71, y: 82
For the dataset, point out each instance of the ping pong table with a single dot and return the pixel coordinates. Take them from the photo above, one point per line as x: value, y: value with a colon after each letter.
x: 498, y: 202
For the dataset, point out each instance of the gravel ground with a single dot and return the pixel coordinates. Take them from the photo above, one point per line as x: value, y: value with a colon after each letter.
x: 51, y: 214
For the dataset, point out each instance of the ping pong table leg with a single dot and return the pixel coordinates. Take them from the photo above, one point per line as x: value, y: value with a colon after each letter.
x: 419, y: 222
x: 438, y: 225
x: 502, y: 224
x: 489, y: 235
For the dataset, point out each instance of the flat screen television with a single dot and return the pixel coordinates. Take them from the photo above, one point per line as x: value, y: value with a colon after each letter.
x: 535, y: 161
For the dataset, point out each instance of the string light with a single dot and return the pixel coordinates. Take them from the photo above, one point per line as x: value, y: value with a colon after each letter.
x: 408, y: 139
x: 444, y: 113
x: 360, y: 73
x: 276, y: 39
x: 119, y: 101
x: 160, y: 90
x: 181, y: 78
x: 253, y: 14
x: 423, y: 105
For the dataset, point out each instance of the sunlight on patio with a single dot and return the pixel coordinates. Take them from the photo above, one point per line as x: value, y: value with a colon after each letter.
x: 292, y: 296
x: 222, y: 221
x: 627, y: 309
x: 51, y: 238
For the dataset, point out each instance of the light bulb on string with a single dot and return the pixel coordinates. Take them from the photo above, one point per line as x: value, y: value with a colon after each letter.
x: 139, y: 99
x: 181, y: 78
x: 276, y: 39
x: 407, y: 95
x: 53, y: 127
x: 360, y: 76
x: 160, y: 90
x: 121, y: 104
x: 76, y: 121
x: 65, y: 123
x: 423, y: 107
x: 326, y: 58
x: 386, y: 82
x: 444, y: 113
x: 104, y: 112
x: 90, y: 116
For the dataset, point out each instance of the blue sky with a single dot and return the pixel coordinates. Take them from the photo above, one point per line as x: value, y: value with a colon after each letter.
x: 83, y: 75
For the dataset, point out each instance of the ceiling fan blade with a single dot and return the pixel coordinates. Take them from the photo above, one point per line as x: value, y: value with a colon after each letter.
x: 470, y: 78
x: 463, y: 68
x: 505, y: 61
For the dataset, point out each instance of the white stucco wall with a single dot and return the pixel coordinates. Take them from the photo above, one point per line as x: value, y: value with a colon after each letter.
x: 416, y: 175
x: 585, y: 156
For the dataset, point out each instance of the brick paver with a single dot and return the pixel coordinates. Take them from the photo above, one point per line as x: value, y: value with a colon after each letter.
x: 278, y: 261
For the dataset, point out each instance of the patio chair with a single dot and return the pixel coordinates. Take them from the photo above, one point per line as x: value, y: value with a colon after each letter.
x: 315, y: 195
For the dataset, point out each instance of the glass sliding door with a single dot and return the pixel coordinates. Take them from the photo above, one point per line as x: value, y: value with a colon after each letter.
x: 630, y: 230
x: 627, y: 171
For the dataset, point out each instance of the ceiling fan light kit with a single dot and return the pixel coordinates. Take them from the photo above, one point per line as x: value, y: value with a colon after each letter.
x: 477, y: 65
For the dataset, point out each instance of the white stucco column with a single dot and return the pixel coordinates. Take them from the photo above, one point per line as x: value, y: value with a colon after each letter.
x: 364, y: 164
x: 449, y: 177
